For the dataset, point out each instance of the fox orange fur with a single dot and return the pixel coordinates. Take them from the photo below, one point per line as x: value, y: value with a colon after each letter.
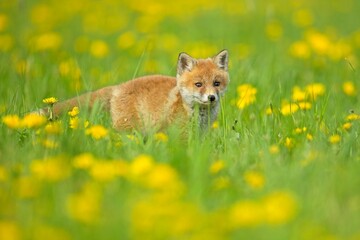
x: 157, y: 101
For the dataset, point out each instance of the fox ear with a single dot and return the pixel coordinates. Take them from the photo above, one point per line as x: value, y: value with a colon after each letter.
x: 222, y: 59
x: 185, y: 63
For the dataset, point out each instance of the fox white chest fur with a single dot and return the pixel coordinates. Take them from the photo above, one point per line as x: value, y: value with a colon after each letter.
x: 157, y: 101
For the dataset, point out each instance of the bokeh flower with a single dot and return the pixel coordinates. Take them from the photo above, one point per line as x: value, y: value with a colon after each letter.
x: 247, y: 95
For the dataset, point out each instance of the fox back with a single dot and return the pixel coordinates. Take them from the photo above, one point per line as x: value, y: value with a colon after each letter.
x: 157, y: 101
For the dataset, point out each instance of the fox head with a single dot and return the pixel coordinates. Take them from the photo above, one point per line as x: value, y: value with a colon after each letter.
x: 202, y: 81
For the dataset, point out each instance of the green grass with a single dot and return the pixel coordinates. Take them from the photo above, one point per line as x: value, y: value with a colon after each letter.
x: 253, y: 177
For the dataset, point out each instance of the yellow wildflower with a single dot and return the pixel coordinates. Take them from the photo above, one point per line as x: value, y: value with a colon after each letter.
x: 319, y: 42
x: 304, y: 105
x: 97, y: 132
x: 215, y: 125
x: 6, y: 42
x: 289, y: 143
x: 352, y: 117
x: 33, y: 120
x: 334, y: 139
x: 50, y: 100
x: 162, y: 176
x: 74, y: 112
x: 315, y: 90
x: 246, y: 213
x: 50, y: 169
x: 85, y: 206
x: 300, y: 49
x: 83, y: 161
x: 298, y: 94
x: 3, y: 21
x: 47, y: 41
x: 49, y: 143
x: 140, y: 165
x: 27, y: 187
x: 349, y: 88
x: 9, y: 230
x: 217, y: 166
x: 269, y: 111
x: 12, y: 121
x: 104, y: 171
x: 254, y: 179
x: 247, y: 95
x: 50, y: 232
x: 274, y: 149
x: 126, y: 40
x: 3, y: 174
x: 161, y: 137
x: 347, y: 126
x: 309, y: 137
x: 289, y: 108
x: 74, y: 122
x: 99, y: 49
x: 53, y: 128
x: 280, y: 207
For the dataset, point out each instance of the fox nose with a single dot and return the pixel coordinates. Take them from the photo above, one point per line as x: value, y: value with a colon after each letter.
x: 211, y: 98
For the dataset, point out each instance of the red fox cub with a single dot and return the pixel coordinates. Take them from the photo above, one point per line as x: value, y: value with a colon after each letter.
x: 157, y: 101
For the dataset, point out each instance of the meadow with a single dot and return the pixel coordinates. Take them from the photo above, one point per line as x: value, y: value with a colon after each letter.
x: 281, y: 162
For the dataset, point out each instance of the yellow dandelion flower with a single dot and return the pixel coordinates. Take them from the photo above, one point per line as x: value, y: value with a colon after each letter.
x: 12, y: 121
x: 161, y: 137
x: 319, y: 42
x: 83, y: 161
x: 140, y: 165
x: 304, y: 105
x: 315, y: 90
x: 6, y: 42
x: 289, y: 143
x: 247, y: 95
x: 353, y: 117
x: 346, y: 126
x: 309, y: 137
x: 289, y: 108
x: 349, y: 88
x: 254, y: 179
x: 274, y: 149
x: 10, y: 230
x: 50, y: 169
x: 103, y: 171
x: 53, y: 128
x: 33, y: 120
x: 298, y: 94
x: 3, y: 21
x: 300, y: 49
x: 215, y: 125
x: 246, y: 213
x: 269, y: 111
x: 50, y: 100
x: 217, y: 166
x: 47, y: 41
x: 85, y: 206
x: 3, y: 174
x: 74, y: 122
x: 298, y: 130
x: 99, y: 49
x: 334, y: 139
x: 280, y: 207
x: 74, y: 112
x: 49, y: 143
x: 97, y: 132
x: 162, y: 176
x: 27, y: 187
x: 126, y: 40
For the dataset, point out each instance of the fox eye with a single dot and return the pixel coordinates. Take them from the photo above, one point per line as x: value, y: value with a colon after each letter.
x: 198, y: 84
x: 216, y: 83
